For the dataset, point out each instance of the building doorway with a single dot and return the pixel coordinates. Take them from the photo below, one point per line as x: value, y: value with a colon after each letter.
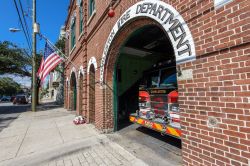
x: 73, y: 92
x: 144, y: 61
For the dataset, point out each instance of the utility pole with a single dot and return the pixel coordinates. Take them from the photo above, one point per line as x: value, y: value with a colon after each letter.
x: 34, y: 83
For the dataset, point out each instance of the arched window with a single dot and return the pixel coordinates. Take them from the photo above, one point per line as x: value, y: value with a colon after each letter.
x: 81, y: 16
x: 91, y: 7
x: 73, y: 32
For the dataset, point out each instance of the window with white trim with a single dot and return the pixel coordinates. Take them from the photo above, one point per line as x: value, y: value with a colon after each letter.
x: 91, y: 7
x: 81, y: 17
x: 73, y: 33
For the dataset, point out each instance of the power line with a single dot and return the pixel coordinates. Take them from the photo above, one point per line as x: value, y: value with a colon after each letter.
x: 29, y: 45
x: 25, y: 22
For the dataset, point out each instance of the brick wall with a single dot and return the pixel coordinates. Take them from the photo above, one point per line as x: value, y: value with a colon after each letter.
x: 220, y: 87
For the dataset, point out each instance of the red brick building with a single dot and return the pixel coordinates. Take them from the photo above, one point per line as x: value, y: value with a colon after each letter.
x: 209, y: 41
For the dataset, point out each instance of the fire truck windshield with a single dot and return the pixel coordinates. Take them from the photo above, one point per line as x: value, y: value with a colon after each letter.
x: 168, y: 80
x: 162, y: 78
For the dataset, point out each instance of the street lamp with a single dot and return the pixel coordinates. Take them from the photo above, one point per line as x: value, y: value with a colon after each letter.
x: 14, y: 29
x: 35, y: 30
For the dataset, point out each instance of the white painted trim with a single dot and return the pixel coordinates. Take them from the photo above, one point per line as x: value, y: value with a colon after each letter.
x: 92, y: 61
x: 161, y: 12
x: 91, y: 17
x: 73, y: 18
x: 81, y: 71
x: 73, y: 70
x: 219, y: 3
x: 80, y: 36
x: 72, y: 49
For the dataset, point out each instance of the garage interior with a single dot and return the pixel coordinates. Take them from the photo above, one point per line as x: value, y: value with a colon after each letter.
x: 144, y: 49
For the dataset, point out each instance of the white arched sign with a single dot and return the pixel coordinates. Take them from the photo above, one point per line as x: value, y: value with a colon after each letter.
x: 171, y: 21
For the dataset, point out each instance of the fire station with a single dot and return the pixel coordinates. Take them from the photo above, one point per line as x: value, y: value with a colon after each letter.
x: 180, y: 68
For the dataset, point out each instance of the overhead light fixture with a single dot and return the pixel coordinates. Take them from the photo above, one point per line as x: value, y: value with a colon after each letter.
x: 152, y: 45
x: 134, y: 51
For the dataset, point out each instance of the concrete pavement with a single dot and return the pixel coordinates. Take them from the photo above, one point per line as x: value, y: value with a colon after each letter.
x: 49, y: 137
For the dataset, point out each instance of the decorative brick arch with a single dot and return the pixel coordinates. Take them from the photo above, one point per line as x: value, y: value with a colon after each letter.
x: 81, y: 75
x: 73, y: 70
x: 73, y: 89
x: 169, y: 20
x: 92, y: 91
x: 92, y: 61
x: 81, y: 71
x: 132, y: 19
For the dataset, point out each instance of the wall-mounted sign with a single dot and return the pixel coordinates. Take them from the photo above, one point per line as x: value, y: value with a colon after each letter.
x: 55, y: 84
x: 171, y: 21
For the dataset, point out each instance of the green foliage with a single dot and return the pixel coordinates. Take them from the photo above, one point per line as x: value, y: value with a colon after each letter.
x: 38, y: 60
x: 14, y: 60
x: 9, y: 87
x: 60, y: 44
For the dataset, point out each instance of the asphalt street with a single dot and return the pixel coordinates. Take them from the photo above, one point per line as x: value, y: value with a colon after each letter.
x: 10, y: 112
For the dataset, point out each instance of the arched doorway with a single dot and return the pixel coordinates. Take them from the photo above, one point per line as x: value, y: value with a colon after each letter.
x: 92, y: 94
x: 143, y: 63
x: 73, y: 92
x: 142, y: 14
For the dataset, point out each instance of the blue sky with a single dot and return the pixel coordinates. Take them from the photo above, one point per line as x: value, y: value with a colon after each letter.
x: 51, y: 15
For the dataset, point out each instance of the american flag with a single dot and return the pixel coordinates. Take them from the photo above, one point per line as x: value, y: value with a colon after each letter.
x: 50, y: 60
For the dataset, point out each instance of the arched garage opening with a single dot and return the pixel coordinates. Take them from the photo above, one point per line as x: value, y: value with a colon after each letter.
x: 155, y: 36
x: 141, y: 58
x: 145, y: 68
x: 143, y: 13
x: 73, y: 92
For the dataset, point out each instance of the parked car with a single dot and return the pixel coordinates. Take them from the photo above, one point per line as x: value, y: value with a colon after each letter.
x: 29, y: 99
x: 20, y: 99
x: 12, y: 98
x: 5, y: 98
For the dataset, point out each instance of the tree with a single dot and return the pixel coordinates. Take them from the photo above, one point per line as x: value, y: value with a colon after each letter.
x: 60, y: 44
x: 14, y: 60
x: 9, y: 87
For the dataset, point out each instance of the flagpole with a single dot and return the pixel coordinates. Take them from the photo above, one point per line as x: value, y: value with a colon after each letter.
x: 65, y: 57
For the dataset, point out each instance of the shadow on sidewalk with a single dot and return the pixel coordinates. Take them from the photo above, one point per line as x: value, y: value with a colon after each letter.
x: 43, y: 106
x: 10, y: 112
x: 13, y: 109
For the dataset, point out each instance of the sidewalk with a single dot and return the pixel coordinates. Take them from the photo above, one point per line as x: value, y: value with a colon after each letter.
x: 49, y: 137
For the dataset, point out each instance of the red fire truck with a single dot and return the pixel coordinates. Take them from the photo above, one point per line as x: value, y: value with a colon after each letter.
x: 158, y: 101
